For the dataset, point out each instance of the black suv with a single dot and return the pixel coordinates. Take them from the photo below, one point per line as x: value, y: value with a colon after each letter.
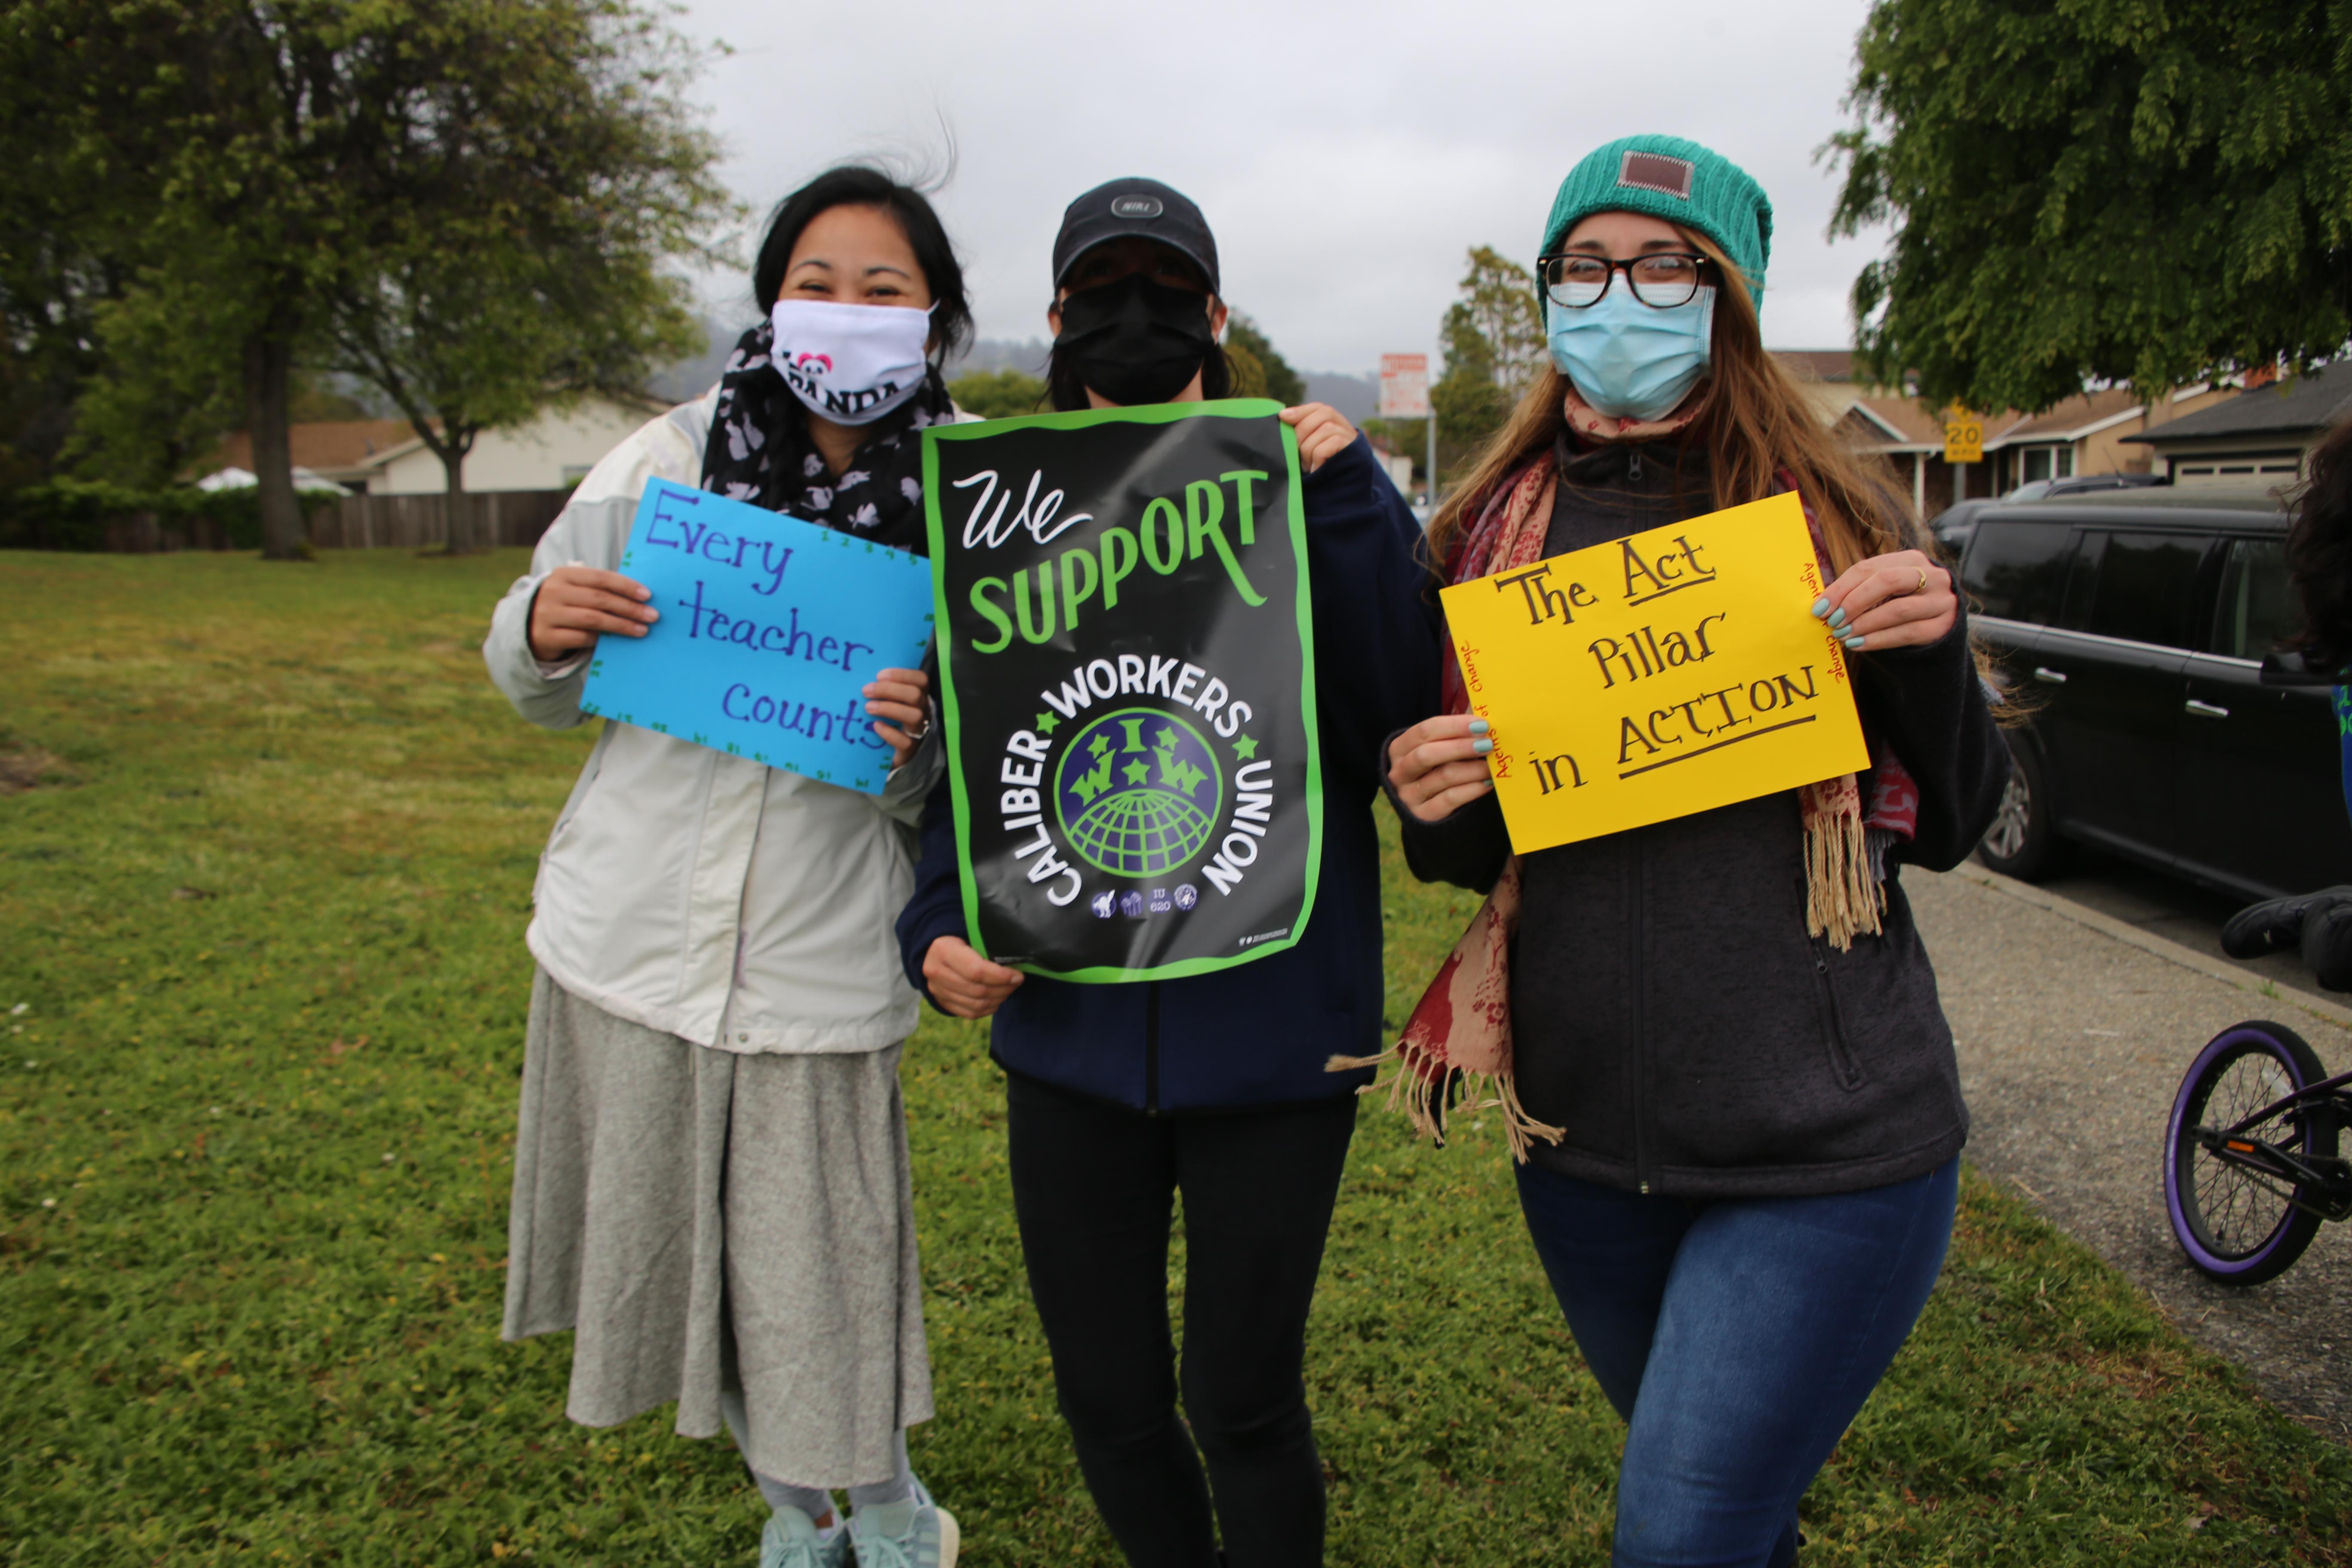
x: 2135, y: 624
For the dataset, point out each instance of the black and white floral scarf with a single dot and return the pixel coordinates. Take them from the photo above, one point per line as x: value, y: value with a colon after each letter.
x: 760, y: 451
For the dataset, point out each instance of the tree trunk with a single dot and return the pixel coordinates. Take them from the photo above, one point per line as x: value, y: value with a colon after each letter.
x: 269, y: 370
x: 456, y: 504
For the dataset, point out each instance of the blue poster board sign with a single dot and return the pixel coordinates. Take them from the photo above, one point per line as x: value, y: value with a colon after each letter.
x: 771, y: 627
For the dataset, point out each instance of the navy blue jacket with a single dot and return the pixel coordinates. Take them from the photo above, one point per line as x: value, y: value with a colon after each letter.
x: 1259, y: 1033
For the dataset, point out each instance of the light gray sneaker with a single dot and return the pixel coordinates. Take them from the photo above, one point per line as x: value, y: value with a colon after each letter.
x: 917, y: 1533
x: 792, y: 1540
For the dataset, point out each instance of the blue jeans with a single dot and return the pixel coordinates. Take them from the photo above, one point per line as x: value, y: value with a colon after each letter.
x: 1737, y: 1337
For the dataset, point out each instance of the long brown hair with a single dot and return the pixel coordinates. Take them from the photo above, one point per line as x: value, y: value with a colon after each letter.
x: 1757, y: 424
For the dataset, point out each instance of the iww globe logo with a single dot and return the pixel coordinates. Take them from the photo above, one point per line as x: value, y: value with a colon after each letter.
x: 1137, y: 792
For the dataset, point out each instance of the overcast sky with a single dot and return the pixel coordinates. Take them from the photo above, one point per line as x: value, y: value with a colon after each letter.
x: 1345, y: 154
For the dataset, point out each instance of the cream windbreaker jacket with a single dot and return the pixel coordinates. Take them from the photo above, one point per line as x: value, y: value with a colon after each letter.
x: 706, y: 896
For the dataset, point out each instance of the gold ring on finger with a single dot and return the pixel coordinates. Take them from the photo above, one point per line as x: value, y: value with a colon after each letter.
x: 1923, y: 581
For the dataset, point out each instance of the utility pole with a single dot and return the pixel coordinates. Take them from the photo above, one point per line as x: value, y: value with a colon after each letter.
x: 1430, y: 419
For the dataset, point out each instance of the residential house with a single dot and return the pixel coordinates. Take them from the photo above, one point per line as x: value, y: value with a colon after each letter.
x: 554, y: 451
x: 1894, y: 426
x: 2261, y: 437
x: 337, y: 450
x: 2091, y: 433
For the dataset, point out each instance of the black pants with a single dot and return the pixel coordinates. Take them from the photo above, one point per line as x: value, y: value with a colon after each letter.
x: 1093, y: 1186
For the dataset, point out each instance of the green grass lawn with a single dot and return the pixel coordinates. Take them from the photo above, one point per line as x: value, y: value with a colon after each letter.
x: 262, y: 986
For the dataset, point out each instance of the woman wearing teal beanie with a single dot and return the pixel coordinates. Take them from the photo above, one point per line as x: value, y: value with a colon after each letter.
x: 1723, y: 1063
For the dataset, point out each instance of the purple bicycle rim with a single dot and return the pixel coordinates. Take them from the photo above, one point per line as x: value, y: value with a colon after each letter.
x: 2181, y: 1232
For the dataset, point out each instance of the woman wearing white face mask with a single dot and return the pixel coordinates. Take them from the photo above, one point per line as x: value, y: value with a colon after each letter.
x: 711, y: 1180
x: 1738, y: 1091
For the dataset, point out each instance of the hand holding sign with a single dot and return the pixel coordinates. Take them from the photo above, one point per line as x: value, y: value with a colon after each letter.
x: 1323, y: 433
x: 1439, y: 766
x: 899, y: 702
x: 575, y: 604
x: 962, y: 982
x: 1668, y: 673
x: 1899, y: 600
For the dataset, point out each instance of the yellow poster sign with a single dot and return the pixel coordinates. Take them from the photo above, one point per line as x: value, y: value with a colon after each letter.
x: 1668, y: 673
x: 1963, y: 435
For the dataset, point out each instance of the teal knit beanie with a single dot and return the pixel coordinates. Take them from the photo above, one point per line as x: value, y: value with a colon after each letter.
x: 1682, y: 182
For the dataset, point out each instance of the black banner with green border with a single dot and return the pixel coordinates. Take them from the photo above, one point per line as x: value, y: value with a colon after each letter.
x: 1127, y: 676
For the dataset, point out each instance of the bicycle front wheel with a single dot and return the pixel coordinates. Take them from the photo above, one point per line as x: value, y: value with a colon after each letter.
x: 2238, y: 1225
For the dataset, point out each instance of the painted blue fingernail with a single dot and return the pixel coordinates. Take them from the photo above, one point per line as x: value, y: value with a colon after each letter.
x: 1856, y: 643
x: 1820, y: 607
x: 1482, y: 745
x: 1837, y: 619
x: 1479, y: 726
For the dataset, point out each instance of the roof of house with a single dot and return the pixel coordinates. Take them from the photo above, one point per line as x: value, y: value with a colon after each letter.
x: 642, y: 402
x: 326, y: 447
x: 2080, y: 416
x: 1818, y: 364
x: 1902, y: 423
x: 1898, y: 422
x: 2307, y: 403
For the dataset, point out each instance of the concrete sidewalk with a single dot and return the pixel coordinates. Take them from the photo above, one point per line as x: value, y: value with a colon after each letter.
x: 2074, y: 1031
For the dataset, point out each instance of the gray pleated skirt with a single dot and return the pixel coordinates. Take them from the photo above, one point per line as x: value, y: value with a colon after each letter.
x: 707, y: 1222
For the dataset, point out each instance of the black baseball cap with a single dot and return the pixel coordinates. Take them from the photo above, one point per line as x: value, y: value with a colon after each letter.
x: 1145, y: 209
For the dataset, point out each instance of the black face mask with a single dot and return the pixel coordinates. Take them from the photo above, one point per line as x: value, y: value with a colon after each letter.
x: 1136, y: 341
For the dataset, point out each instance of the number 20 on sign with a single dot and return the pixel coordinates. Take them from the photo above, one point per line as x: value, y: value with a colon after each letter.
x: 1668, y: 673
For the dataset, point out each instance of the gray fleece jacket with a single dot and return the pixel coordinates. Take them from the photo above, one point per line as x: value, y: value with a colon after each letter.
x: 1667, y: 1008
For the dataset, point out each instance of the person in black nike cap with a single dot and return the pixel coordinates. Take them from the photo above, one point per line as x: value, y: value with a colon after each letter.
x: 1136, y: 209
x: 1120, y: 1098
x: 1137, y: 314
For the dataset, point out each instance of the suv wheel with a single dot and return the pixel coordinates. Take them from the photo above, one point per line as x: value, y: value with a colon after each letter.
x: 2022, y: 842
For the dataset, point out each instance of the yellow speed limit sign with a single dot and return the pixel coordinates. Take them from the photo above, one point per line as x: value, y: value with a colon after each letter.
x: 1963, y: 435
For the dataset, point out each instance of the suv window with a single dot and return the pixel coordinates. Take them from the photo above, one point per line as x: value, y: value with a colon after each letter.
x: 2258, y: 609
x: 2141, y: 587
x: 2016, y: 569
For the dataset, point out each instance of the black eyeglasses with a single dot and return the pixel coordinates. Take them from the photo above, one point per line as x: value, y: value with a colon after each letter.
x: 1662, y: 279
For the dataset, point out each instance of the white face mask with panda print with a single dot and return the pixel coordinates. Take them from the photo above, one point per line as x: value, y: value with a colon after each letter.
x: 851, y: 364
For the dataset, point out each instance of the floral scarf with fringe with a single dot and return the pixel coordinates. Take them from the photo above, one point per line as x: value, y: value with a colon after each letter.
x: 1460, y: 1031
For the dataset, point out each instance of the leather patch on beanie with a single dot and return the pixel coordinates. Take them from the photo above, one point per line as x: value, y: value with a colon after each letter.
x: 1656, y: 172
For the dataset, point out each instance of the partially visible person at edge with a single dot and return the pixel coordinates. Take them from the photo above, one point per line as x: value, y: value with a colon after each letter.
x: 711, y: 1182
x: 2319, y: 562
x: 1724, y: 1049
x: 1119, y: 1096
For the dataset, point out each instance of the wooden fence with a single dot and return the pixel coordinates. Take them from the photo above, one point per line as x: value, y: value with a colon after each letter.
x: 145, y: 534
x: 417, y: 521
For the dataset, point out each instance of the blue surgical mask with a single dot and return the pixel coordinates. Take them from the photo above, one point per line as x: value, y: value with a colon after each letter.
x: 1629, y: 360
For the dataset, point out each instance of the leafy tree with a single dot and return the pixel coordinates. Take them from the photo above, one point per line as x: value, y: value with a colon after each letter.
x: 1246, y: 345
x: 2099, y: 189
x: 317, y: 400
x: 400, y: 179
x: 67, y: 220
x: 1248, y: 372
x: 998, y: 393
x: 1493, y: 342
x: 466, y: 339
